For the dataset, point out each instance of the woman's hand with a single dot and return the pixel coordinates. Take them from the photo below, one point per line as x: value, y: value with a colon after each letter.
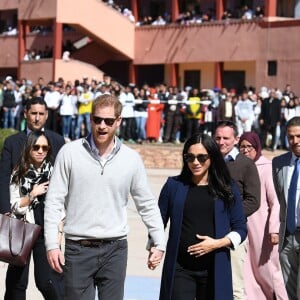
x: 154, y: 258
x: 39, y: 189
x: 207, y: 245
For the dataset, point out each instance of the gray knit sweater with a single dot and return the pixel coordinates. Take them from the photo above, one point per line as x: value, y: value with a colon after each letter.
x: 95, y: 197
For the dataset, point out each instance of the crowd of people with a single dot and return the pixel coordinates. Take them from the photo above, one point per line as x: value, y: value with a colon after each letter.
x: 192, y: 15
x: 230, y: 209
x: 161, y: 113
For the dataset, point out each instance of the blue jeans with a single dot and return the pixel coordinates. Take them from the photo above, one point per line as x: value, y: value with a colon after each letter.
x: 83, y: 118
x: 74, y: 127
x: 66, y: 126
x: 102, y: 266
x: 9, y: 117
x: 141, y: 128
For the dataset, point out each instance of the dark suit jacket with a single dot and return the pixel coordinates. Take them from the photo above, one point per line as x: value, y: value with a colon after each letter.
x: 270, y: 112
x: 280, y: 166
x: 243, y: 170
x: 171, y: 204
x: 222, y: 111
x: 10, y: 156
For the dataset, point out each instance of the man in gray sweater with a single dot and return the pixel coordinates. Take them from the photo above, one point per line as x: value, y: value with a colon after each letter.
x: 91, y: 181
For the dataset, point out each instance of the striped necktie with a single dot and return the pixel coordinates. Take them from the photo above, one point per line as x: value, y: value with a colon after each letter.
x: 291, y: 209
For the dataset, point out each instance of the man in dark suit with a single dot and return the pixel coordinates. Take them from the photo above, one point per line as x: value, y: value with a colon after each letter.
x: 36, y: 114
x: 269, y: 119
x: 245, y: 174
x: 287, y: 187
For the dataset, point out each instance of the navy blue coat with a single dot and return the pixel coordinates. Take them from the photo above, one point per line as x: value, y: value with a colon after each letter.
x: 171, y: 203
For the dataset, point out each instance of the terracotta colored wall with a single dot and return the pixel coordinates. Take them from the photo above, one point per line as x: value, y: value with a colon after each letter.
x: 33, y: 70
x: 240, y: 45
x: 9, y: 46
x: 103, y: 22
x: 211, y: 42
x: 9, y: 52
x: 68, y: 70
x: 9, y: 4
x: 39, y: 42
x: 37, y: 10
x: 75, y: 70
x: 94, y: 54
x: 247, y: 66
x: 207, y: 73
x: 91, y: 17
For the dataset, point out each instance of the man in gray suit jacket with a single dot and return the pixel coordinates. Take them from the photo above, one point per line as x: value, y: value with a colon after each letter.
x: 289, y: 239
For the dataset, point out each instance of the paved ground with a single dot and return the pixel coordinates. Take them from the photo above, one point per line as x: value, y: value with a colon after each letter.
x: 141, y: 283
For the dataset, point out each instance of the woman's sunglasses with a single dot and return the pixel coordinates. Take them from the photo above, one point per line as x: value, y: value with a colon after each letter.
x: 107, y: 121
x: 36, y: 147
x: 190, y: 157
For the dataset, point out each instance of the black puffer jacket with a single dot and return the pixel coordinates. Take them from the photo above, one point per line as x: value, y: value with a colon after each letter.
x: 9, y: 99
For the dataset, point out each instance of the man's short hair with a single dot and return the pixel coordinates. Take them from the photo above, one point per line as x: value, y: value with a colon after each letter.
x: 295, y: 121
x: 35, y: 100
x: 108, y: 100
x: 228, y: 124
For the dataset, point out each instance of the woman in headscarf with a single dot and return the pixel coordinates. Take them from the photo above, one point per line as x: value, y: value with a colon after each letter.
x: 262, y: 267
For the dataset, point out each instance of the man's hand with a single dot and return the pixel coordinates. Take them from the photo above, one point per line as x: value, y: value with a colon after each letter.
x: 274, y: 238
x: 56, y: 260
x: 154, y: 258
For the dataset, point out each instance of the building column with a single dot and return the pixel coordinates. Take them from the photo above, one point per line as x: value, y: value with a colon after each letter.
x: 134, y: 9
x: 297, y: 9
x: 57, y: 43
x: 21, y: 45
x: 174, y: 74
x: 219, y: 9
x: 271, y: 8
x: 175, y: 10
x: 219, y: 74
x: 132, y: 73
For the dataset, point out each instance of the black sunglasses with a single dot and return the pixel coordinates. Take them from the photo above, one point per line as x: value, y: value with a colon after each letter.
x: 37, y: 147
x: 107, y: 121
x: 190, y: 157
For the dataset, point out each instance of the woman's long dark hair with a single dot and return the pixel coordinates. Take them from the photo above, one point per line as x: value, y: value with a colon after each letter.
x: 25, y: 159
x: 219, y: 179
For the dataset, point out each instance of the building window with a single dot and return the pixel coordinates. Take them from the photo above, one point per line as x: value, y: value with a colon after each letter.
x: 192, y: 78
x: 272, y: 68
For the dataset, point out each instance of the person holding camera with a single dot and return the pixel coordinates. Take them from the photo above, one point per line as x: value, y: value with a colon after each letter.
x: 29, y: 184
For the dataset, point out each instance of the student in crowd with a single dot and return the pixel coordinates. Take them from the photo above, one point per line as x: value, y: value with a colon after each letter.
x: 193, y: 114
x: 52, y: 98
x: 155, y: 119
